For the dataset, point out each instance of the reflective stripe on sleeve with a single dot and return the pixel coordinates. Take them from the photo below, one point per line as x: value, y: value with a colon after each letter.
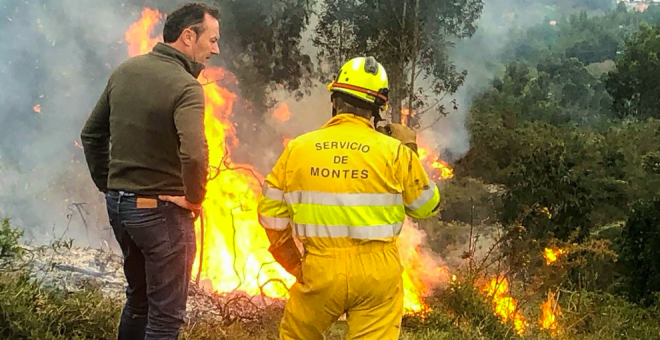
x: 425, y: 204
x: 272, y: 193
x: 275, y: 223
x: 423, y: 198
x: 269, y: 207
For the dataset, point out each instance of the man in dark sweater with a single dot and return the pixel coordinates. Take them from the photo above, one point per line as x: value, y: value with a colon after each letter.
x: 146, y: 150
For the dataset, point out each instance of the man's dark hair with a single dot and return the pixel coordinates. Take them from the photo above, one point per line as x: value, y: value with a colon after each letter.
x: 188, y: 15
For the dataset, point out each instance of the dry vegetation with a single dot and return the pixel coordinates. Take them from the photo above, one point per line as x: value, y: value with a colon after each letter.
x: 88, y: 310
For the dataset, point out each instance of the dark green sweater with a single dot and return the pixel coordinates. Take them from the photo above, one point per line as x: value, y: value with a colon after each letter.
x: 146, y: 133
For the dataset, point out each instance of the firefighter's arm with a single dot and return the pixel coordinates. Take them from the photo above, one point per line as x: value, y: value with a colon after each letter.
x: 95, y: 137
x: 275, y: 217
x: 420, y: 194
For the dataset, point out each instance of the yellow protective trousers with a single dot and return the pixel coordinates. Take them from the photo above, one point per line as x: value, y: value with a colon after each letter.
x: 363, y: 281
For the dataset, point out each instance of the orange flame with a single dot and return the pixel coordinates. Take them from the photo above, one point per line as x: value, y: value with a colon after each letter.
x: 37, y: 108
x: 446, y: 171
x: 422, y: 271
x: 282, y: 112
x: 439, y: 168
x: 413, y: 302
x: 550, y: 310
x: 551, y: 255
x: 405, y: 113
x: 139, y: 35
x: 504, y: 305
x: 234, y: 245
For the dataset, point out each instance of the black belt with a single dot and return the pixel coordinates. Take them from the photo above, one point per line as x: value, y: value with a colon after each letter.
x: 130, y: 194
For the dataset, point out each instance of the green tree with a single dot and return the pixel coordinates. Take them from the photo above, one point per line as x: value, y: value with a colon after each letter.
x: 634, y: 85
x: 558, y: 91
x: 589, y: 38
x: 261, y: 45
x: 640, y: 252
x: 568, y: 6
x: 549, y: 184
x: 411, y: 39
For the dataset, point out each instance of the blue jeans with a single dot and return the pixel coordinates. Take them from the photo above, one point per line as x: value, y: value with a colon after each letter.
x: 158, y: 244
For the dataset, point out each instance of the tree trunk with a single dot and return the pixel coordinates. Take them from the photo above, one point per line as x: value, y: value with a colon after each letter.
x: 396, y: 99
x: 341, y: 41
x: 413, y: 56
x: 397, y: 80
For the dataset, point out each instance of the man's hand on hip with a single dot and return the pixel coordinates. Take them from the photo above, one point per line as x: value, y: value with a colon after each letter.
x: 195, y: 209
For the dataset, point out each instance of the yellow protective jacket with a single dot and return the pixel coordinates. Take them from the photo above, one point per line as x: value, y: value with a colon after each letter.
x: 344, y: 184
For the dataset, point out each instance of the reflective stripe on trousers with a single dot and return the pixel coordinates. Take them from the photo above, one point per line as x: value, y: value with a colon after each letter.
x: 363, y: 281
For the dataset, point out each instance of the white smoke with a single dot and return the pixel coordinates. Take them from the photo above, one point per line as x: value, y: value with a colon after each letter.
x: 478, y: 55
x: 58, y: 55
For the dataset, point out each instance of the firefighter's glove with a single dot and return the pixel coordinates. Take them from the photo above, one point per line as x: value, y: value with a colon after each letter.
x: 406, y: 135
x: 289, y: 257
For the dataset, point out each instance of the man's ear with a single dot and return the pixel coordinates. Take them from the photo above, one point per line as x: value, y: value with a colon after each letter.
x: 188, y: 37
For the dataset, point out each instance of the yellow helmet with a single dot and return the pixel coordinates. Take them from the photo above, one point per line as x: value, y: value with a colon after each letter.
x: 363, y: 78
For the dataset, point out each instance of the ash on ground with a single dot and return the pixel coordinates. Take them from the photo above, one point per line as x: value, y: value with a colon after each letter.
x: 62, y: 266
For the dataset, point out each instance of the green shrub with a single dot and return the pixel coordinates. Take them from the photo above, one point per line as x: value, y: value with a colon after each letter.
x: 603, y: 316
x: 471, y: 311
x: 9, y: 237
x: 640, y: 252
x: 468, y: 200
x: 31, y: 312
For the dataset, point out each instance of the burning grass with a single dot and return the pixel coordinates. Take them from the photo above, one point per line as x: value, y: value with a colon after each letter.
x: 233, y: 262
x: 551, y: 255
x: 30, y: 309
x: 236, y: 258
x: 504, y: 305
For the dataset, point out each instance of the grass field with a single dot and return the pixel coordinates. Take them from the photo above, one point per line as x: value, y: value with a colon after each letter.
x: 29, y: 311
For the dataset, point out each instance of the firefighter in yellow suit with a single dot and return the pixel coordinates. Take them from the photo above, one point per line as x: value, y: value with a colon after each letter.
x: 344, y: 191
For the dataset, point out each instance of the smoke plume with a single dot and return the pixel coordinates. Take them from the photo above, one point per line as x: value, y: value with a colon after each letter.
x: 55, y: 60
